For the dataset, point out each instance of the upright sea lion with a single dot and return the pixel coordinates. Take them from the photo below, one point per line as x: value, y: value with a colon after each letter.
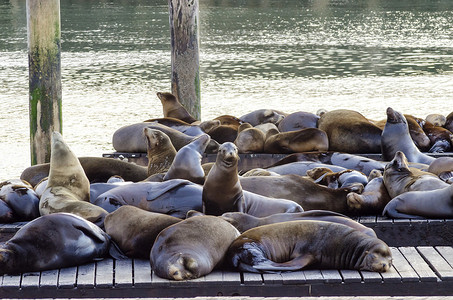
x: 51, y: 242
x: 160, y: 151
x: 303, y: 140
x: 68, y: 188
x: 173, y: 108
x: 191, y: 248
x: 97, y: 169
x: 422, y: 204
x: 244, y: 222
x: 261, y: 116
x: 400, y: 178
x: 249, y: 139
x: 298, y: 120
x: 134, y: 229
x: 187, y: 162
x: 349, y: 131
x: 20, y: 196
x: 396, y: 137
x: 295, y: 245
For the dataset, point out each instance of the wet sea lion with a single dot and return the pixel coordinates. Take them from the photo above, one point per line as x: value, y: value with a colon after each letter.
x: 295, y: 245
x: 396, y: 137
x: 173, y: 108
x: 249, y: 139
x: 160, y: 151
x: 399, y: 177
x: 303, y: 140
x: 134, y: 229
x: 51, y: 242
x: 422, y: 204
x: 298, y: 120
x: 97, y: 169
x: 187, y: 162
x: 244, y: 222
x: 349, y: 131
x: 261, y: 116
x: 191, y: 248
x: 20, y: 196
x: 68, y: 188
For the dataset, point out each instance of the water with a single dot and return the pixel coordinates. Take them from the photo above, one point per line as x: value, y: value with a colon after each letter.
x: 289, y: 55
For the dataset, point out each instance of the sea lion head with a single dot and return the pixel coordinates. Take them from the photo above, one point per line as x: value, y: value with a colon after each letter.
x: 156, y: 138
x: 395, y: 117
x: 182, y: 267
x: 166, y: 97
x: 200, y: 143
x: 398, y: 163
x: 378, y: 258
x: 227, y: 156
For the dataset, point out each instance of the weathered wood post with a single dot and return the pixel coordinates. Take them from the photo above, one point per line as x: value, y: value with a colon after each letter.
x: 185, y: 66
x: 44, y: 62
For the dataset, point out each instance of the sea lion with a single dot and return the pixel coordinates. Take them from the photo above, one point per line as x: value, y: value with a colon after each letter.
x: 298, y: 120
x: 349, y: 131
x: 373, y: 198
x: 346, y: 178
x: 160, y: 151
x: 442, y: 167
x: 222, y: 191
x: 396, y: 137
x: 436, y: 119
x: 130, y: 138
x: 68, y: 188
x: 20, y: 196
x: 449, y: 122
x: 261, y: 116
x: 301, y: 168
x: 303, y: 140
x: 295, y: 245
x: 173, y: 108
x: 191, y: 248
x: 422, y: 204
x: 187, y: 162
x: 301, y: 190
x: 400, y: 178
x: 229, y: 120
x: 97, y: 169
x: 418, y: 135
x: 134, y: 229
x: 259, y: 172
x: 184, y: 127
x: 224, y: 133
x: 249, y: 139
x: 53, y: 241
x: 244, y: 222
x: 441, y: 139
x: 6, y: 213
x: 173, y: 197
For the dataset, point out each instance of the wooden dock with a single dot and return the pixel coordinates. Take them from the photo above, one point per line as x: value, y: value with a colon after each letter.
x: 422, y: 257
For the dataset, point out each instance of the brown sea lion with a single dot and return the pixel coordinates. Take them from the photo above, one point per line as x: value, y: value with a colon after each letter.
x: 436, y: 119
x: 68, y: 188
x: 441, y: 139
x: 303, y: 140
x: 400, y: 178
x: 442, y: 167
x: 449, y: 122
x: 224, y: 133
x: 344, y: 178
x: 229, y: 120
x: 52, y: 242
x: 295, y: 245
x: 261, y: 116
x: 173, y: 108
x: 396, y: 137
x: 134, y: 229
x: 349, y: 131
x: 160, y: 151
x: 249, y: 139
x: 191, y: 248
x: 244, y: 222
x: 298, y: 120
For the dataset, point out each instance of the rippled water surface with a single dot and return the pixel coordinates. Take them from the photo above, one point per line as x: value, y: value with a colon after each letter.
x: 290, y: 55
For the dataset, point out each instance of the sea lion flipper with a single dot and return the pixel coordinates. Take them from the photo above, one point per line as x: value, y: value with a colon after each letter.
x: 115, y: 251
x: 293, y: 265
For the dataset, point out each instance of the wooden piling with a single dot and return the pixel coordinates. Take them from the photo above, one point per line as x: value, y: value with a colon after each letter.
x: 44, y: 62
x: 185, y: 67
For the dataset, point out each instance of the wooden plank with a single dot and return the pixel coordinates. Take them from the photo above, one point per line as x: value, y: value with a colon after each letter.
x: 351, y: 276
x: 231, y: 277
x: 447, y: 253
x: 313, y: 276
x: 30, y: 280
x: 437, y: 262
x: 331, y: 276
x: 49, y: 279
x: 391, y: 276
x: 104, y: 273
x: 11, y: 281
x: 159, y: 281
x: 86, y: 275
x: 142, y: 273
x: 418, y: 263
x: 367, y: 220
x: 296, y: 277
x: 272, y: 278
x: 67, y: 278
x: 252, y: 278
x: 123, y: 273
x: 403, y: 267
x: 369, y: 276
